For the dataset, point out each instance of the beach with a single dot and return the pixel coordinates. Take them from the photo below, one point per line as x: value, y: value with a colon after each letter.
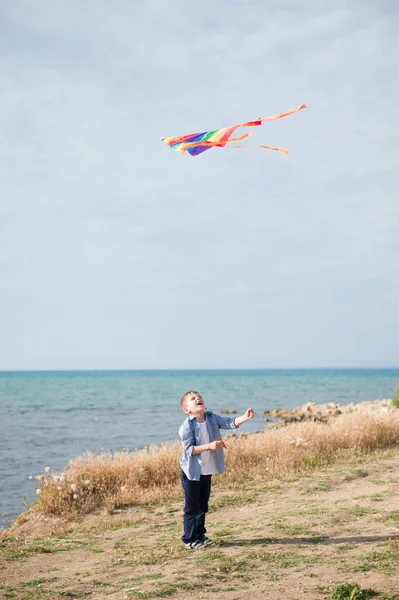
x: 298, y: 531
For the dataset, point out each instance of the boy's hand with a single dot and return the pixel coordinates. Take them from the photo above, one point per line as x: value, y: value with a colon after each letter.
x: 216, y: 445
x: 249, y: 414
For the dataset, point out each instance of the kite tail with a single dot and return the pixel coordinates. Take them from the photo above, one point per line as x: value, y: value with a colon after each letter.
x: 238, y: 139
x: 284, y: 114
x: 276, y: 149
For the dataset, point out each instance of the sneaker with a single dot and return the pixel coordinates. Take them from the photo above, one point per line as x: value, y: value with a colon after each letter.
x: 189, y: 546
x: 195, y: 545
x: 207, y: 542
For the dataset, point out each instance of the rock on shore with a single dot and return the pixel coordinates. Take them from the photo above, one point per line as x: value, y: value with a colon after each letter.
x: 325, y: 412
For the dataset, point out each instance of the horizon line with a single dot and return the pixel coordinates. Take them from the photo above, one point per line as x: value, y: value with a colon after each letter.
x: 191, y: 369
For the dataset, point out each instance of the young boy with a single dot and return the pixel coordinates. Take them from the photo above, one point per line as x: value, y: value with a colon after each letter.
x: 202, y: 457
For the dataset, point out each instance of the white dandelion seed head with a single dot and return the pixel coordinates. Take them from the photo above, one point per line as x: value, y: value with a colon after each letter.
x: 74, y: 487
x: 75, y: 496
x: 87, y: 482
x: 38, y: 491
x: 56, y: 477
x: 30, y: 477
x: 62, y: 477
x: 47, y: 469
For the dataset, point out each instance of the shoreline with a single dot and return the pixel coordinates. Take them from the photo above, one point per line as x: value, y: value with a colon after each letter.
x: 284, y: 419
x: 277, y: 418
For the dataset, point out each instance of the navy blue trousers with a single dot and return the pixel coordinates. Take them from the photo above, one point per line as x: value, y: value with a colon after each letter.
x: 196, y: 494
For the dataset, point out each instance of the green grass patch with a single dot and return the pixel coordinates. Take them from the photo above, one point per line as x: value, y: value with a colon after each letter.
x: 227, y: 531
x: 377, y: 497
x: 232, y: 501
x: 222, y: 563
x: 98, y: 583
x: 384, y: 561
x: 284, y: 560
x: 35, y: 594
x: 361, y: 511
x: 352, y: 591
x: 344, y: 547
x: 160, y: 592
x: 296, y: 530
x: 14, y: 549
x: 393, y: 516
x: 358, y: 473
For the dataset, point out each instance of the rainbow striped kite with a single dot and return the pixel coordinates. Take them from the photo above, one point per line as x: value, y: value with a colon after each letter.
x: 195, y: 143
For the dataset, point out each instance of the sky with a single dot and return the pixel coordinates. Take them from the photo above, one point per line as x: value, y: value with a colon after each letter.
x: 118, y: 253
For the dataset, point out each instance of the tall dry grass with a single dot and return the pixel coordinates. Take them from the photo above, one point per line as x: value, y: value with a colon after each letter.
x: 108, y: 481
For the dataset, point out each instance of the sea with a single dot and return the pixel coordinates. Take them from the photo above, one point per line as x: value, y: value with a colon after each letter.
x: 51, y: 417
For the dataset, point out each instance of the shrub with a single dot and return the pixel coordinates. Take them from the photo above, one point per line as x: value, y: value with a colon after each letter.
x: 352, y: 591
x: 395, y: 400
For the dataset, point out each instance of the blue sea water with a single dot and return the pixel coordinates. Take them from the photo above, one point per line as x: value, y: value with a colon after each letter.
x: 49, y: 418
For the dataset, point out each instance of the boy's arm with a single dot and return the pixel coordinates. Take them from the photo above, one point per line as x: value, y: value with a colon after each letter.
x: 230, y: 423
x: 216, y: 445
x: 188, y: 440
x: 249, y: 414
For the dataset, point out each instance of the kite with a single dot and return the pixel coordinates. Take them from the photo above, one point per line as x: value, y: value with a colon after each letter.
x: 196, y: 143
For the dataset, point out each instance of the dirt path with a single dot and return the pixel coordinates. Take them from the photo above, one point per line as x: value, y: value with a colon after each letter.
x: 287, y: 541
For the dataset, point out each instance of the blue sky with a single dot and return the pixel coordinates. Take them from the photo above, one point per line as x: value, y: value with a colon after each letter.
x: 116, y: 252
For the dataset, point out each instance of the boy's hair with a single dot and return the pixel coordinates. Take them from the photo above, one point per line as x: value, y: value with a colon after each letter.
x: 186, y: 396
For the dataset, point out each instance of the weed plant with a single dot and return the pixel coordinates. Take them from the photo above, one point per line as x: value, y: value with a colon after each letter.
x: 352, y: 591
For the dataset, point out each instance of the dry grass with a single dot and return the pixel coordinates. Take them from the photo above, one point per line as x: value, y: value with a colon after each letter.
x: 109, y: 481
x: 299, y: 448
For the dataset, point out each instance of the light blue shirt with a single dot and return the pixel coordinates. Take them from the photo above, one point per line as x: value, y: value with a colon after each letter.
x: 189, y: 434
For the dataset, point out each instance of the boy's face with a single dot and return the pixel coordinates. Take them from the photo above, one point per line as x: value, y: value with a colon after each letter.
x: 195, y: 406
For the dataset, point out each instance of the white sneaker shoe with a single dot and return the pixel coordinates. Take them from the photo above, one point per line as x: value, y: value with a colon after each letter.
x: 199, y: 544
x: 207, y: 542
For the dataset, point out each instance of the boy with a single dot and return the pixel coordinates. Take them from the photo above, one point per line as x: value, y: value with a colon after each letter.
x: 202, y: 457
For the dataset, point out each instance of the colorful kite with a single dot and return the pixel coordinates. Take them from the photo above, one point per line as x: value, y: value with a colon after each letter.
x: 195, y: 143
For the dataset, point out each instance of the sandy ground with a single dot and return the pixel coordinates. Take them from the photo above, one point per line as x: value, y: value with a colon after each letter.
x: 291, y: 540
